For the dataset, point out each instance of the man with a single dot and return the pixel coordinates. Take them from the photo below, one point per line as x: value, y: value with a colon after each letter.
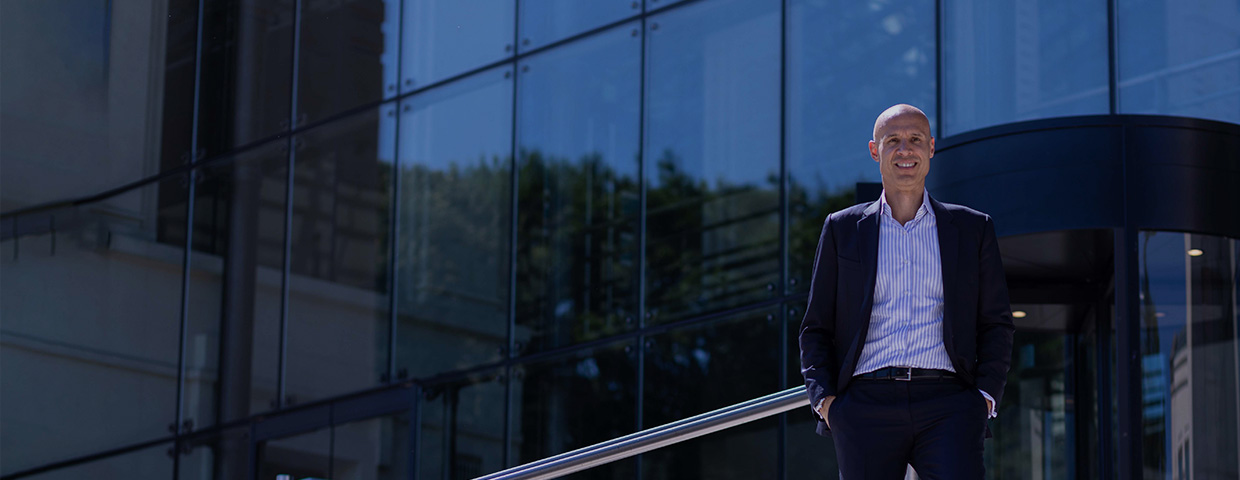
x: 907, y: 338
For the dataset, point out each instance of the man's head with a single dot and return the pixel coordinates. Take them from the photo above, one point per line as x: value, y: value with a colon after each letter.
x: 902, y: 146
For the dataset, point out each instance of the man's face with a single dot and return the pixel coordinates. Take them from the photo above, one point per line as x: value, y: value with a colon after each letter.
x: 902, y: 146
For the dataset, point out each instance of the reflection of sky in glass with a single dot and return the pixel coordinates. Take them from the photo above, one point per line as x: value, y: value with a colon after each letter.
x: 448, y: 37
x: 445, y: 126
x: 1011, y: 61
x: 713, y: 87
x: 1180, y: 58
x: 546, y: 21
x: 583, y: 98
x: 1162, y: 263
x: 847, y: 62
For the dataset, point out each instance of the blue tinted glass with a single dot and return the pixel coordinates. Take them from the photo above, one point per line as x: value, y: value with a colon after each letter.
x: 461, y: 427
x: 87, y: 96
x: 454, y: 230
x: 347, y: 56
x: 579, y: 195
x: 545, y: 21
x: 712, y: 157
x: 443, y: 38
x: 705, y: 366
x: 847, y: 62
x: 549, y: 414
x: 339, y: 282
x: 234, y: 285
x: 1180, y: 58
x: 1010, y: 61
x: 1189, y: 345
x: 150, y: 462
x: 246, y: 68
x: 92, y: 301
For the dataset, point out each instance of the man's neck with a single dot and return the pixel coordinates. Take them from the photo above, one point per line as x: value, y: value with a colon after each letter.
x: 904, y: 203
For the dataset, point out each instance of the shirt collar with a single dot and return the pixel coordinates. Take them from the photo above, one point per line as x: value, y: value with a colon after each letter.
x: 924, y: 209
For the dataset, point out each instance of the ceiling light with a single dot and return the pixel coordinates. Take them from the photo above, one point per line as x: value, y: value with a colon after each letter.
x: 1018, y: 314
x: 1195, y: 252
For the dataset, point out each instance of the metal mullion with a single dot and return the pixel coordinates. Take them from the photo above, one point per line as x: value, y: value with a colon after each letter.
x: 513, y: 211
x: 1112, y: 58
x: 938, y: 65
x: 188, y: 249
x: 784, y: 221
x: 1127, y: 333
x: 394, y: 207
x: 643, y: 185
x: 281, y: 361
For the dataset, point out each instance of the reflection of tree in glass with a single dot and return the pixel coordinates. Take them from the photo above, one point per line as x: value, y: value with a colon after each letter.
x: 576, y: 247
x: 452, y: 253
x: 808, y: 209
x: 709, y: 247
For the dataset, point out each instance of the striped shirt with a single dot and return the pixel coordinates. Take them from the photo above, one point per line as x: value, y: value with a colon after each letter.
x: 906, y: 323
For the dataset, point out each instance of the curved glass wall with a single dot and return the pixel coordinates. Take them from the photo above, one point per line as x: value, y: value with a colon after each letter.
x: 1190, y: 405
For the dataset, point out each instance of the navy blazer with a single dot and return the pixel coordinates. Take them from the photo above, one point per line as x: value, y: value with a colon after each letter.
x: 977, y: 315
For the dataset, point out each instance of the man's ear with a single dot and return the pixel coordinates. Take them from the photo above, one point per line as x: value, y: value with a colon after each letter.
x: 931, y: 146
x: 874, y: 150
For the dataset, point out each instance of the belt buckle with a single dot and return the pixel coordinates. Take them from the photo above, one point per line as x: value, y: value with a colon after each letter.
x: 908, y: 374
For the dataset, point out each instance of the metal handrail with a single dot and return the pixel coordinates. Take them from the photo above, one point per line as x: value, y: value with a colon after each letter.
x: 657, y: 437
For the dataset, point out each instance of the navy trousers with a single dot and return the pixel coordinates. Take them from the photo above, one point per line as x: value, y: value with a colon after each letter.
x: 937, y: 426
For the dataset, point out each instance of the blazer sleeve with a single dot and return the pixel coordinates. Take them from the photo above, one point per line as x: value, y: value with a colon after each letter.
x: 817, y: 333
x: 994, y: 318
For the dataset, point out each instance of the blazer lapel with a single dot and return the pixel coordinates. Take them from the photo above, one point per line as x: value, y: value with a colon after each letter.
x: 867, y: 240
x: 949, y: 246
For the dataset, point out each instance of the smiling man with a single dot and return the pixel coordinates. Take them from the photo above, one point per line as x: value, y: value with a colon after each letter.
x: 907, y: 339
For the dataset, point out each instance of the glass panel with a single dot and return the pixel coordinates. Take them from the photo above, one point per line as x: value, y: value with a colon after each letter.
x: 247, y: 64
x: 454, y: 238
x: 338, y: 309
x: 223, y: 456
x: 653, y: 4
x: 305, y: 456
x: 578, y: 191
x: 449, y: 37
x: 1010, y: 61
x: 180, y: 51
x: 1190, y: 406
x: 348, y: 56
x: 462, y: 428
x: 546, y: 21
x: 82, y: 94
x: 712, y: 160
x: 374, y: 449
x: 574, y: 401
x: 702, y: 367
x: 1180, y: 58
x: 104, y: 362
x: 235, y: 285
x: 153, y: 462
x: 744, y: 452
x: 847, y: 62
x: 705, y: 366
x: 1035, y: 434
x: 806, y: 453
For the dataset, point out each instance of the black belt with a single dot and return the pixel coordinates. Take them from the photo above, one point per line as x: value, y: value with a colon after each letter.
x: 906, y: 374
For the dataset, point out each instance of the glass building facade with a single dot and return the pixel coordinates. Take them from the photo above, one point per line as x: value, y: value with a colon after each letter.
x: 381, y: 239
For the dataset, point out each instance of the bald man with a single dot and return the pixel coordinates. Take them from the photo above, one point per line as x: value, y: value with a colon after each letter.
x: 907, y: 339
